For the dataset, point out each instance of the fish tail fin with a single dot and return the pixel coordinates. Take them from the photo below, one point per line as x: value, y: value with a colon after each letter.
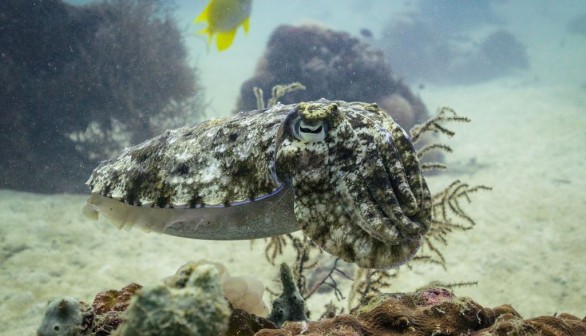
x: 224, y: 40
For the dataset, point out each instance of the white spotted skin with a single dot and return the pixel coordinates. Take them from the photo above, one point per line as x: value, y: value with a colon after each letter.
x: 356, y: 184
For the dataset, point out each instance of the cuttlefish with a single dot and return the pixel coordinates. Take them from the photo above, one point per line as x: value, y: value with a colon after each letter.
x: 343, y: 172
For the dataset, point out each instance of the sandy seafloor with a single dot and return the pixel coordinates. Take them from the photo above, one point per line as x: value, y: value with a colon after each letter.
x: 527, y: 140
x: 527, y: 249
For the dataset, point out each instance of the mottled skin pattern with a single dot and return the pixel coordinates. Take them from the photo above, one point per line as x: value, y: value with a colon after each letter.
x: 213, y: 163
x: 358, y: 188
x: 359, y: 194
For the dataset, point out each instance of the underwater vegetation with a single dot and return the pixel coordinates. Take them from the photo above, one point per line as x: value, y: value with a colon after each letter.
x: 330, y: 64
x: 420, y: 51
x: 80, y: 83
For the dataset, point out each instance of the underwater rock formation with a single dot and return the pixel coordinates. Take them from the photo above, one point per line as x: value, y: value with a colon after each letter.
x: 108, y: 307
x: 243, y: 323
x: 332, y: 65
x: 242, y: 292
x: 196, y: 307
x: 191, y: 302
x: 425, y: 48
x: 289, y: 306
x: 431, y: 311
x: 79, y: 83
x: 511, y: 324
x: 428, y: 312
x: 180, y: 304
x: 65, y: 317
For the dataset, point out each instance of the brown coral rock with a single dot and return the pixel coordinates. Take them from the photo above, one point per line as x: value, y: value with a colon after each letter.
x: 342, y: 325
x: 114, y: 300
x: 561, y: 325
x: 243, y: 323
x: 108, y: 306
x: 433, y: 311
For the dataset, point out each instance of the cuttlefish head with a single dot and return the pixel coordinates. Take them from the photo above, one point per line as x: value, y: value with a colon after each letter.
x: 358, y: 188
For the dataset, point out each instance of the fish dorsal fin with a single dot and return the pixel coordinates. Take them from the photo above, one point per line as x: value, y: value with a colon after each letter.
x: 224, y: 39
x: 203, y: 17
x: 246, y: 25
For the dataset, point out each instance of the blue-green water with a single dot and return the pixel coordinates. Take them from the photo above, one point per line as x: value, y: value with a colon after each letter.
x: 526, y: 140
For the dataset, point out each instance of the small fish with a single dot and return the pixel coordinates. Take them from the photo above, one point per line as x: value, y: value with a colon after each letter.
x: 366, y: 33
x: 224, y: 17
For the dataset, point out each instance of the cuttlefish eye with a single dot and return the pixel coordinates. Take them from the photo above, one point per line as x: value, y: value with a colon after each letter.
x: 308, y: 132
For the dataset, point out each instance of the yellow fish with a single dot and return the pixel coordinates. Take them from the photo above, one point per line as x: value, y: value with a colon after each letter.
x: 224, y: 17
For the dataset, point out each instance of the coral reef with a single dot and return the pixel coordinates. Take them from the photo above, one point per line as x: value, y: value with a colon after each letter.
x: 196, y: 307
x: 512, y: 324
x: 333, y: 65
x: 191, y: 302
x: 198, y: 291
x: 80, y: 83
x: 424, y: 47
x: 108, y: 307
x: 431, y: 311
x: 65, y: 317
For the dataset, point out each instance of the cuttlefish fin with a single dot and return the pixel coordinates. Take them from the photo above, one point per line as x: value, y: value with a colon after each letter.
x: 265, y: 217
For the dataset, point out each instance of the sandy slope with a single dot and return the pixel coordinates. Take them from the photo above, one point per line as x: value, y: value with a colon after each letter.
x: 527, y: 248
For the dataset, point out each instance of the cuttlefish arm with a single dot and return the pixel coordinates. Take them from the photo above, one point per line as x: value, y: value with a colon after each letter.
x: 267, y: 217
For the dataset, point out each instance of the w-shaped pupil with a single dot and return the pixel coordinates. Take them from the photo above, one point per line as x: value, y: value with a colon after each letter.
x: 309, y: 130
